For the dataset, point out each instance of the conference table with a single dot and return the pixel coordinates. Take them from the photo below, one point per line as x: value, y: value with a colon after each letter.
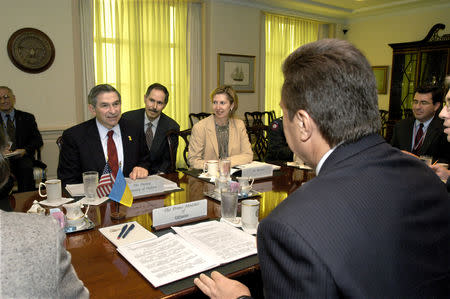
x: 107, y: 274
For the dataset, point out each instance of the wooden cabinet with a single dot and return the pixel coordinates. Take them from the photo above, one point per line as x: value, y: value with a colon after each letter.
x: 414, y: 64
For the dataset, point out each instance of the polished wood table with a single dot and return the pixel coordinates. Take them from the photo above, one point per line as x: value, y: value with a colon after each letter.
x: 108, y: 275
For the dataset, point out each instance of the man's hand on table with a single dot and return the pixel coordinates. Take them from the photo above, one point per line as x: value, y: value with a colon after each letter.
x: 138, y: 173
x: 220, y: 287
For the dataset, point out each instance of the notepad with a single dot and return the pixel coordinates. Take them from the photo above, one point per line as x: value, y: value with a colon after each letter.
x: 139, y: 233
x: 193, y: 249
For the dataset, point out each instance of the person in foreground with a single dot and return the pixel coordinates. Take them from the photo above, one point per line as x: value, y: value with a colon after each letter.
x: 442, y: 172
x: 107, y: 137
x: 220, y: 136
x: 374, y: 222
x: 33, y: 260
x: 156, y: 124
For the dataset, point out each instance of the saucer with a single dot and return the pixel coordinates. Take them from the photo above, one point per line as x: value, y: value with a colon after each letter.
x: 87, y: 224
x: 57, y: 203
x: 94, y: 202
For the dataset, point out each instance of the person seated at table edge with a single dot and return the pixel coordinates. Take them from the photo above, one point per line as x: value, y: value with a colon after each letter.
x: 372, y: 218
x: 221, y: 135
x: 106, y: 137
x: 277, y: 148
x: 25, y: 140
x: 156, y: 124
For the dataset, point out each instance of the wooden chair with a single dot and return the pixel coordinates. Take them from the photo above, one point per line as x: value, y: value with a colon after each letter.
x: 195, y: 117
x: 185, y: 134
x: 384, y: 116
x: 258, y: 117
x: 257, y: 134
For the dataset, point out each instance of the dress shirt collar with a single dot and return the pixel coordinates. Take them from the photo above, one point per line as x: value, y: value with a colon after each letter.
x: 325, y: 157
x: 11, y: 115
x: 154, y: 122
x: 103, y: 131
x: 425, y: 124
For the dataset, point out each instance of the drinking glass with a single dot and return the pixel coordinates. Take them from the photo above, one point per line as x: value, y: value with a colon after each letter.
x: 90, y: 182
x: 228, y: 205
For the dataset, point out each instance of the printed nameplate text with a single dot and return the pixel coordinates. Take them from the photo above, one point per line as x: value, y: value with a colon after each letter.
x: 181, y: 212
x: 145, y: 186
x: 259, y: 171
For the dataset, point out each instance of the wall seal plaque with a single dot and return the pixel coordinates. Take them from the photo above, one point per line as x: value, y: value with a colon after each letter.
x: 31, y: 50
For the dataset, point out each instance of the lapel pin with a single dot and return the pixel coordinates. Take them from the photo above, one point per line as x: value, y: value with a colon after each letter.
x: 129, y: 138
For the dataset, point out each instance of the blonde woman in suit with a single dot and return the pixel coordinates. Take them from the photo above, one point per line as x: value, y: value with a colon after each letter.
x: 220, y: 136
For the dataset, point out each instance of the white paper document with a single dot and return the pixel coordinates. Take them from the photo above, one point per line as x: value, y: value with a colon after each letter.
x: 194, y: 249
x: 139, y: 233
x: 75, y: 189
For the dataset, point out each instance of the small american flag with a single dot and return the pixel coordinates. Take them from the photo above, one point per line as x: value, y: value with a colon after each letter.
x: 106, y: 182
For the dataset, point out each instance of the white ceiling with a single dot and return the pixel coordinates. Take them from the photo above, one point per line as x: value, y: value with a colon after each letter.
x: 343, y: 9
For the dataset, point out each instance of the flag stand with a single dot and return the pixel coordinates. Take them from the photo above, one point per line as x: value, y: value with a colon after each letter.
x: 117, y: 215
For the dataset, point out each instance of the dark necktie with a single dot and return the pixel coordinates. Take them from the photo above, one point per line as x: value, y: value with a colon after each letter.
x: 418, y: 140
x: 11, y: 130
x: 149, y: 135
x: 113, y: 160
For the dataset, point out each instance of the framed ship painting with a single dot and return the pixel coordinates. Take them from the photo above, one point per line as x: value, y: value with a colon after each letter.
x: 237, y: 71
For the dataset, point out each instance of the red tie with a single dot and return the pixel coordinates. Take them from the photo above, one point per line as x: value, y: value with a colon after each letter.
x: 113, y: 160
x: 418, y: 140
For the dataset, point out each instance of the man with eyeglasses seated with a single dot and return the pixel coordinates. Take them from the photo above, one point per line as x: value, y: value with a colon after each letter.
x: 423, y: 134
x: 21, y: 132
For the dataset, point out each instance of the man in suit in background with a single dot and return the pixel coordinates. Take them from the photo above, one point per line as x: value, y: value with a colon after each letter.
x: 374, y: 222
x: 423, y: 134
x: 156, y: 124
x: 105, y: 138
x: 20, y: 129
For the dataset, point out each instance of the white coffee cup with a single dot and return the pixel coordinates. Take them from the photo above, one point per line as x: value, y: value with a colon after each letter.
x: 53, y: 188
x: 249, y: 213
x: 211, y: 168
x: 74, y: 214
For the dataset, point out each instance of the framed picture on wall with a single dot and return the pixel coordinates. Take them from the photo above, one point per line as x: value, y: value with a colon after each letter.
x: 381, y: 76
x: 237, y: 71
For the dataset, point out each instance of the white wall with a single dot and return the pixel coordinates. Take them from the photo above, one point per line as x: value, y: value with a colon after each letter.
x: 50, y: 95
x: 231, y: 29
x: 372, y: 35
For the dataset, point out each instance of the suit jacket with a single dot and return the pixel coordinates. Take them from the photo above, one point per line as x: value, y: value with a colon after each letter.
x: 203, y: 144
x: 373, y: 224
x: 435, y: 143
x: 82, y: 150
x: 28, y: 136
x: 34, y: 262
x: 159, y: 151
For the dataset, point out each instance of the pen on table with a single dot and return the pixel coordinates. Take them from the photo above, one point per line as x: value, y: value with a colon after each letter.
x: 129, y: 230
x: 122, y: 231
x: 435, y: 162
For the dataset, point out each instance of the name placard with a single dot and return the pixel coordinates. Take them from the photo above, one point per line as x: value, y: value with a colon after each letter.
x: 146, y: 186
x: 258, y: 171
x: 181, y: 212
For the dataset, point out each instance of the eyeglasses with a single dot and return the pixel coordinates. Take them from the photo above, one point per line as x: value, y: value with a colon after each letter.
x: 5, y: 97
x: 446, y: 105
x: 422, y: 103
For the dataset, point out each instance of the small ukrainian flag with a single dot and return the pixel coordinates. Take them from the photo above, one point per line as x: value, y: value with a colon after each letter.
x: 120, y: 191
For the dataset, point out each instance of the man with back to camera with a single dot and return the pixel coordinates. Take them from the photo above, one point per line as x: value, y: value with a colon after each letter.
x: 374, y: 222
x: 423, y: 134
x: 21, y: 130
x: 156, y: 124
x: 89, y: 145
